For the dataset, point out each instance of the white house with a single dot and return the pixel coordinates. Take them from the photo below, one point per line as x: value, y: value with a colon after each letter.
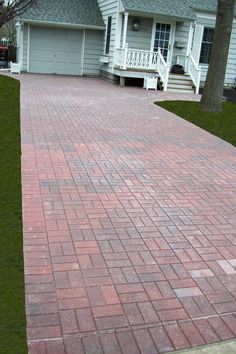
x: 120, y: 39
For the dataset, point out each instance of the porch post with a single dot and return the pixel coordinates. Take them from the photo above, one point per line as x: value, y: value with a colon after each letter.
x: 125, y: 27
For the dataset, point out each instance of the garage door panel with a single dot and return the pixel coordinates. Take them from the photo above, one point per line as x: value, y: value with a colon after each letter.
x: 37, y: 55
x: 55, y: 51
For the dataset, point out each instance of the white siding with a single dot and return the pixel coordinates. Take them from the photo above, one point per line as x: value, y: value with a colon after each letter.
x: 93, y: 49
x: 231, y: 66
x: 109, y: 8
x: 181, y: 35
x: 209, y: 21
x: 140, y: 39
x: 206, y: 22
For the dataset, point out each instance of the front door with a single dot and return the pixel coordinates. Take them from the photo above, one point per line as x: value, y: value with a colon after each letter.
x: 163, y: 39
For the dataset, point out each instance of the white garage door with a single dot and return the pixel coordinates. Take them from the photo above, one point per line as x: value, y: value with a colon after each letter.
x: 55, y: 51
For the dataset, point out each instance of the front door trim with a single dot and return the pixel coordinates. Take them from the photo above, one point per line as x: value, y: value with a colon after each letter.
x: 172, y: 36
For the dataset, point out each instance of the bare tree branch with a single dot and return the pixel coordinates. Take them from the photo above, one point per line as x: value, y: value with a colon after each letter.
x: 12, y: 8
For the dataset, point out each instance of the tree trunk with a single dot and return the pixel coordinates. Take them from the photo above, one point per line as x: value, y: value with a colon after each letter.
x: 212, y: 97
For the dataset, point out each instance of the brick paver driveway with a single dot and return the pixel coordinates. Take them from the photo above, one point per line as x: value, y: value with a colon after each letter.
x: 129, y: 222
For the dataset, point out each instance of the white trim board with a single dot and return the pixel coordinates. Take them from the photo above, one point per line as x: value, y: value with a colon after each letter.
x: 61, y: 25
x: 83, y: 52
x: 28, y: 49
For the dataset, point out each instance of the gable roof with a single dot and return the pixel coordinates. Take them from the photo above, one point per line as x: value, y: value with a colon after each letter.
x: 80, y: 12
x: 177, y: 8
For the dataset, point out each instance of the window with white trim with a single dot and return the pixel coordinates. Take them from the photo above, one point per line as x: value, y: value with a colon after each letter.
x: 207, y: 41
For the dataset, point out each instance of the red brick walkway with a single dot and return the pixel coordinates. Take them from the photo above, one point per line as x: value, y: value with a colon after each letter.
x: 129, y: 222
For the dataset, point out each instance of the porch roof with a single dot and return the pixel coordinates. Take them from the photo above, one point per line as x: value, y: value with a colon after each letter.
x: 174, y: 8
x: 83, y: 12
x: 182, y: 9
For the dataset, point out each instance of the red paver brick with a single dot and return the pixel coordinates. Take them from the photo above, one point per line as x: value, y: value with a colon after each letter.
x: 207, y: 332
x: 111, y: 322
x: 230, y: 321
x: 145, y: 341
x: 161, y: 339
x: 137, y: 216
x: 73, y: 303
x: 68, y: 322
x: 127, y: 343
x: 148, y: 312
x: 71, y: 293
x: 167, y: 304
x: 192, y: 334
x: 108, y: 310
x: 187, y: 292
x: 152, y: 291
x: 110, y: 344
x: 221, y: 329
x: 110, y: 295
x: 165, y: 289
x: 191, y: 307
x: 44, y: 320
x: 133, y: 314
x: 133, y: 297
x: 172, y: 315
x: 73, y: 345
x: 206, y: 308
x: 37, y: 348
x: 92, y: 345
x: 85, y: 320
x: 44, y: 332
x: 56, y: 346
x: 177, y: 337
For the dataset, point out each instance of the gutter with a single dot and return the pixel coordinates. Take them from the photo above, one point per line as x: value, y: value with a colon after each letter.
x: 61, y: 24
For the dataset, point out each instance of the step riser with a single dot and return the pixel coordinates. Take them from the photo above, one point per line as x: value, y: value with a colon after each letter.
x: 184, y: 87
x: 179, y: 77
x: 182, y: 82
x: 180, y: 91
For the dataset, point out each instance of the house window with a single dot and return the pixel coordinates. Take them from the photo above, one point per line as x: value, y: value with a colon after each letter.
x: 108, y: 36
x: 206, y: 45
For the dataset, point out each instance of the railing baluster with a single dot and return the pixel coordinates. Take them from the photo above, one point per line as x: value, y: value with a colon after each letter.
x: 143, y: 59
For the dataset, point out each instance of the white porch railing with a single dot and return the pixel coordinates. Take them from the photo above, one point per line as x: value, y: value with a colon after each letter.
x: 181, y: 60
x: 143, y: 60
x: 163, y: 69
x: 191, y: 68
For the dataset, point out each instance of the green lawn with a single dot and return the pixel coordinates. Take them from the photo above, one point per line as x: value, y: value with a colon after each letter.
x: 221, y: 124
x: 12, y: 314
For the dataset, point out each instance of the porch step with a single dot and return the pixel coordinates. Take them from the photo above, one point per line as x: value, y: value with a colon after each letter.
x: 179, y: 76
x: 176, y: 85
x: 178, y: 90
x: 180, y: 83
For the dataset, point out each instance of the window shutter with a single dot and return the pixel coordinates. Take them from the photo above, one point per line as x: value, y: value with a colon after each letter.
x: 197, y: 42
x: 108, y: 35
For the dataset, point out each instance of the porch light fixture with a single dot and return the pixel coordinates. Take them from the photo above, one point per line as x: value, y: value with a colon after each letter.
x: 136, y: 25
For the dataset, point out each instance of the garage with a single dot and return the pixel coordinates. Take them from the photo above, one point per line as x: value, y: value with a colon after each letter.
x: 55, y: 50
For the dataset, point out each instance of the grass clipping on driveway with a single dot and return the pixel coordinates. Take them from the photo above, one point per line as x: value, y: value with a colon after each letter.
x: 221, y: 124
x: 12, y: 314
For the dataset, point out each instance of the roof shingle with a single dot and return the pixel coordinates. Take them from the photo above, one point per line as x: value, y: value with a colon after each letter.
x: 176, y: 8
x: 82, y: 12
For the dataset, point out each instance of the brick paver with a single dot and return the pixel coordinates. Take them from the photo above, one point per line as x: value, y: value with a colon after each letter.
x: 129, y: 222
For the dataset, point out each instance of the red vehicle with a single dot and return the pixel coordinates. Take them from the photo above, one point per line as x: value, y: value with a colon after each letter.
x: 4, y: 56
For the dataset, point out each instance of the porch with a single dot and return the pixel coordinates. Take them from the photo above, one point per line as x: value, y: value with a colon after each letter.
x: 152, y: 45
